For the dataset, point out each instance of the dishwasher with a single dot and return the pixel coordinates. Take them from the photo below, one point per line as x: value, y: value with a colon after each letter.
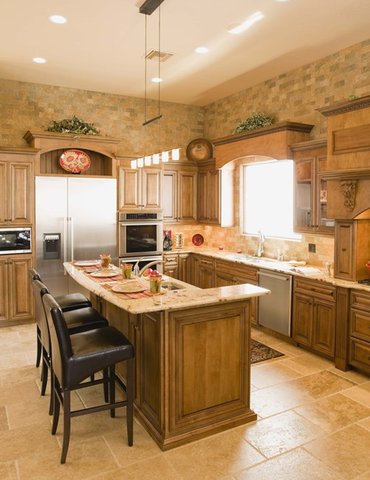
x: 274, y: 310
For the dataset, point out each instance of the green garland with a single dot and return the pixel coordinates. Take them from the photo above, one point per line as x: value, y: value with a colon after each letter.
x: 73, y: 125
x: 257, y: 120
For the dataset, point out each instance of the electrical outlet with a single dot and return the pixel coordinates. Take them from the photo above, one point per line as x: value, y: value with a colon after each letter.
x: 312, y: 247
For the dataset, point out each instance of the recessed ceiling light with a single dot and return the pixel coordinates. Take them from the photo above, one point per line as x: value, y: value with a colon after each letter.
x: 58, y: 19
x: 242, y: 27
x: 201, y: 50
x: 39, y: 60
x: 157, y: 80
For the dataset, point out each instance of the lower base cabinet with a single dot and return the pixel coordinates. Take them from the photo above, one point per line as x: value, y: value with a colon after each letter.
x: 359, y: 331
x: 229, y: 273
x: 16, y: 303
x: 314, y: 316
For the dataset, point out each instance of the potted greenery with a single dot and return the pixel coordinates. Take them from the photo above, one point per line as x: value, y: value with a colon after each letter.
x: 73, y: 125
x: 257, y: 120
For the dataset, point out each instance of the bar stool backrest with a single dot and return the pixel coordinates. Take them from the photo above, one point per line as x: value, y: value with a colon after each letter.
x: 61, y: 347
x: 34, y: 274
x: 39, y: 290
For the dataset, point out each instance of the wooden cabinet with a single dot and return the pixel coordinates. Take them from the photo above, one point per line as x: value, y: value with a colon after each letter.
x: 16, y: 193
x: 140, y: 188
x: 310, y: 191
x: 352, y: 249
x: 179, y: 194
x: 314, y: 315
x: 206, y: 272
x: 359, y: 331
x: 184, y: 267
x: 230, y: 273
x: 15, y: 290
x: 208, y: 204
x: 171, y: 265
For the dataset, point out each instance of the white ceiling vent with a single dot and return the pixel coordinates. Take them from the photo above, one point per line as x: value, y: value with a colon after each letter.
x: 157, y: 55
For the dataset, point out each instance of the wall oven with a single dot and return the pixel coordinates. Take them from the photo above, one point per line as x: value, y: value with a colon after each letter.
x: 140, y: 234
x: 15, y: 240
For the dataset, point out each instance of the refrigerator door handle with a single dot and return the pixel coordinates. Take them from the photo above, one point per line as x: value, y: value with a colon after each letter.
x: 71, y: 238
x: 65, y: 239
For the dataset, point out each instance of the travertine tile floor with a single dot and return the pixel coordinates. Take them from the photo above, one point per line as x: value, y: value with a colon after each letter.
x: 313, y: 423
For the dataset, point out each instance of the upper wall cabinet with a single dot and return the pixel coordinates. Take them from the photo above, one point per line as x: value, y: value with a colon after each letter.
x: 16, y: 187
x: 179, y: 193
x: 310, y: 192
x: 208, y: 204
x: 140, y: 189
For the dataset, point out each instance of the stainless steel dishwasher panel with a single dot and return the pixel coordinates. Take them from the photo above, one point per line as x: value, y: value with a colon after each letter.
x: 274, y: 311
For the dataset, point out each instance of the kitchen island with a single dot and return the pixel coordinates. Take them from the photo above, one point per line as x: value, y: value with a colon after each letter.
x: 192, y: 345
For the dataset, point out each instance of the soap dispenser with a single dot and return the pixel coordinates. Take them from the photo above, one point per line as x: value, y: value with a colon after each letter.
x: 167, y: 242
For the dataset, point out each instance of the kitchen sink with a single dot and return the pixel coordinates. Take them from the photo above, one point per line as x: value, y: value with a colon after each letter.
x: 172, y: 286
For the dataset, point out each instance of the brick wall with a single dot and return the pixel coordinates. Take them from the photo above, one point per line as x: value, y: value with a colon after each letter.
x: 295, y: 95
x: 28, y: 106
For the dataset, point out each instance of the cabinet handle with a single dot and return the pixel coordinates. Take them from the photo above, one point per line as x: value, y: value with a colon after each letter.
x: 344, y: 249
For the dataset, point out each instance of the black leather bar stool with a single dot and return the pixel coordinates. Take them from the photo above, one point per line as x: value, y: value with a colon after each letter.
x: 76, y: 358
x: 71, y: 301
x: 77, y: 321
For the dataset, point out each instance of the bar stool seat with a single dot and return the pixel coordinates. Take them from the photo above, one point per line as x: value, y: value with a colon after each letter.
x: 78, y: 357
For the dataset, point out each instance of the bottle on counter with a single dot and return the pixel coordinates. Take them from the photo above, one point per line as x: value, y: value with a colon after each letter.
x: 167, y: 242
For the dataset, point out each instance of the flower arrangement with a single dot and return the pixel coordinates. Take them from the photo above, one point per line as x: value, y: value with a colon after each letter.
x: 73, y: 125
x: 257, y: 120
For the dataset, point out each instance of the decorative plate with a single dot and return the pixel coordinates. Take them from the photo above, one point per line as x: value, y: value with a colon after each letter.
x: 87, y: 263
x: 104, y: 273
x: 197, y: 240
x: 199, y: 149
x: 75, y: 161
x: 132, y: 287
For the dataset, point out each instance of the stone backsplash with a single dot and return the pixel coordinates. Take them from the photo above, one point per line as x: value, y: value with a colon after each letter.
x: 230, y: 239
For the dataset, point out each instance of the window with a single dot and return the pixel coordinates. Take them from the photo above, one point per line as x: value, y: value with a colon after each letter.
x: 267, y: 199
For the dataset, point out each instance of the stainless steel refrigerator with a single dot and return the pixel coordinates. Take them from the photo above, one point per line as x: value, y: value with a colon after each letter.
x: 75, y: 220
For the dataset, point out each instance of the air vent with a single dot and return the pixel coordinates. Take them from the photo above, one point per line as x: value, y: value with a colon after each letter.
x: 157, y: 55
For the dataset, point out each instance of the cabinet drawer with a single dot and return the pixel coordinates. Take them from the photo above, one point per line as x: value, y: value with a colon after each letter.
x: 170, y: 259
x: 360, y: 300
x: 359, y: 354
x: 238, y: 271
x: 360, y: 325
x: 317, y: 289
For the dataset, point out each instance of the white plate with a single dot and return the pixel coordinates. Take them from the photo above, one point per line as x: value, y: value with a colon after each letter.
x: 87, y: 263
x: 128, y: 288
x: 105, y: 273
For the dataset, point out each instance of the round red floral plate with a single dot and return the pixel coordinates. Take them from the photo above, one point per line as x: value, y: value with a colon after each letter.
x: 75, y: 161
x: 197, y: 240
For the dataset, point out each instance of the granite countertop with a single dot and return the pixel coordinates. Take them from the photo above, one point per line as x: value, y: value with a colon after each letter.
x: 305, y: 271
x: 186, y: 297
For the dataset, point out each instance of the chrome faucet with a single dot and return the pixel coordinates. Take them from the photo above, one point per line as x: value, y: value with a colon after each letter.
x: 150, y: 264
x: 261, y: 241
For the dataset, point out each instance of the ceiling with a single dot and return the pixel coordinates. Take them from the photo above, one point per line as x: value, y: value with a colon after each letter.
x: 101, y: 47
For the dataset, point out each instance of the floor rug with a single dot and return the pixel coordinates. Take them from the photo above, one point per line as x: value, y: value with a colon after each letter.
x: 261, y: 352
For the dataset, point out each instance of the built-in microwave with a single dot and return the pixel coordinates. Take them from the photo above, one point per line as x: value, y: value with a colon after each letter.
x: 140, y: 234
x: 15, y: 240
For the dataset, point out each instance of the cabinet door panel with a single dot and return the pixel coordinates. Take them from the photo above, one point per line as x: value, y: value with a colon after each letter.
x: 128, y: 188
x: 3, y: 291
x: 302, y: 319
x: 21, y: 193
x: 323, y: 332
x: 202, y: 196
x: 170, y: 196
x: 151, y: 187
x: 20, y: 290
x: 187, y: 196
x: 213, y: 197
x: 343, y: 263
x: 184, y: 267
x: 3, y: 193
